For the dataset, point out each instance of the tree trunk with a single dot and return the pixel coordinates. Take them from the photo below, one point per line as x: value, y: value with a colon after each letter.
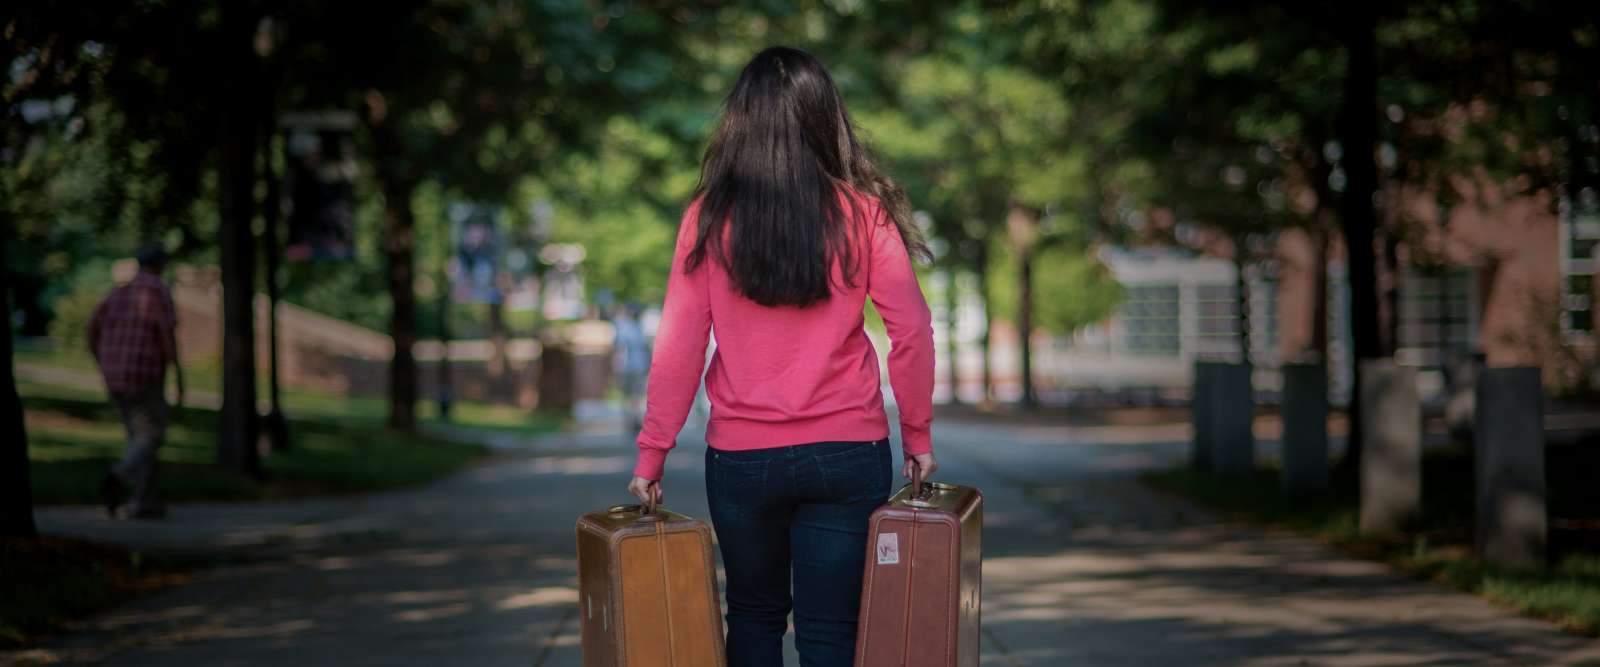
x: 238, y: 428
x: 271, y: 213
x: 1442, y: 348
x: 400, y: 249
x: 1319, y: 293
x: 277, y: 424
x: 444, y: 390
x: 499, y: 361
x: 981, y: 267
x: 952, y: 330
x: 1390, y: 321
x: 16, y: 490
x: 1030, y: 398
x: 1023, y: 225
x: 27, y: 298
x: 1241, y: 295
x: 1324, y: 220
x: 1358, y: 135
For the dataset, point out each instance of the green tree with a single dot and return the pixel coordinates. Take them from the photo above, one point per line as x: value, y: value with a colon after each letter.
x: 474, y: 97
x: 992, y: 145
x: 1082, y: 290
x: 41, y: 68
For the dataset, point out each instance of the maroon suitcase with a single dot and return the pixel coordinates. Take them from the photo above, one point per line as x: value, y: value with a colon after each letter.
x: 922, y: 586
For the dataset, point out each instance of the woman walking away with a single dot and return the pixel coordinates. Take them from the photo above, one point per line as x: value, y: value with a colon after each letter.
x: 792, y: 229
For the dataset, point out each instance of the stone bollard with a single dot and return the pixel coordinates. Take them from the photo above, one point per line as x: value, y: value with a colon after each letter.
x: 1200, y: 412
x: 1509, y: 452
x: 1233, y: 442
x: 1391, y: 455
x: 1305, y: 429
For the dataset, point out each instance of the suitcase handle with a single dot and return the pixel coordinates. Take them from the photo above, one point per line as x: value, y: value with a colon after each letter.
x: 921, y: 491
x: 649, y: 512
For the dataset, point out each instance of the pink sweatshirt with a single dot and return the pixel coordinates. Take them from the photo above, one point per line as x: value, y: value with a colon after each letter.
x: 786, y: 375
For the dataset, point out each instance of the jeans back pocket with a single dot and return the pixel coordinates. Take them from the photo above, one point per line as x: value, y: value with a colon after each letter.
x: 858, y: 472
x: 735, y: 482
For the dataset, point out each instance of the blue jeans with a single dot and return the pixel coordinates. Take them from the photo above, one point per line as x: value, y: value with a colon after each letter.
x: 803, y: 508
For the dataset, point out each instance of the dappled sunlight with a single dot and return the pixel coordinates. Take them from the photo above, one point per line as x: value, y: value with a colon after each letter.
x: 495, y: 594
x: 1101, y: 435
x: 426, y: 597
x: 607, y: 464
x: 582, y: 465
x: 333, y: 563
x: 1230, y: 592
x: 1090, y: 569
x: 549, y: 564
x: 50, y: 420
x: 273, y: 629
x: 1130, y: 462
x: 432, y: 613
x: 540, y: 597
x: 566, y: 639
x: 422, y: 558
x: 121, y: 619
x: 1139, y: 252
x: 1002, y: 519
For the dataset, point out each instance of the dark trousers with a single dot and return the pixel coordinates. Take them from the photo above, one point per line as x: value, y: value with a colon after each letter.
x: 144, y: 417
x: 802, y: 509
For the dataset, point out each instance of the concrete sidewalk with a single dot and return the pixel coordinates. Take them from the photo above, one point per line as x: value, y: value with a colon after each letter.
x: 1083, y: 565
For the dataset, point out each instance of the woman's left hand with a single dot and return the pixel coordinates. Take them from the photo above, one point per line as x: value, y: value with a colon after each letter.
x: 648, y: 491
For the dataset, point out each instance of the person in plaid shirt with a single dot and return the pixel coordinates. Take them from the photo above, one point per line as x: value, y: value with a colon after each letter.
x: 131, y: 337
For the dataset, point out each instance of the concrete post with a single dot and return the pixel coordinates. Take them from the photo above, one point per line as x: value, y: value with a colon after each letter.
x: 1305, y: 429
x: 1200, y: 392
x: 1391, y: 458
x: 1509, y: 448
x: 1233, y: 443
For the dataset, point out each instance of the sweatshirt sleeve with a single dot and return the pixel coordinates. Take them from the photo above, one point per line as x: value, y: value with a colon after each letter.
x: 892, y: 285
x: 679, y: 358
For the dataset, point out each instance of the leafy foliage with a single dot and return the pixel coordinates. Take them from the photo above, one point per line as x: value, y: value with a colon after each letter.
x: 1076, y: 290
x: 1122, y: 121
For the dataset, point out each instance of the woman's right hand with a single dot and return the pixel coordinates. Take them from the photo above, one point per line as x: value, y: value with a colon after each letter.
x: 925, y: 462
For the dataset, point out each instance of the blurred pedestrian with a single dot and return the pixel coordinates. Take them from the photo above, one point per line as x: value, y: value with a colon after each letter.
x: 132, y: 338
x: 791, y: 230
x: 631, y: 361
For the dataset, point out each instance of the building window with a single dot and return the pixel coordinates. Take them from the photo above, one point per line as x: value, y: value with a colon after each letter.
x: 1264, y: 322
x: 1436, y: 313
x: 1580, y: 234
x: 1150, y: 315
x: 1579, y: 303
x: 1217, y: 321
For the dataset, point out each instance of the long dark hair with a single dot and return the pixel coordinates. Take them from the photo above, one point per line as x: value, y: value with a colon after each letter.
x: 770, y: 206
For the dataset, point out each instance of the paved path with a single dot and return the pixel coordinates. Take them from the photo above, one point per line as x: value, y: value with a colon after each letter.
x: 1084, y: 567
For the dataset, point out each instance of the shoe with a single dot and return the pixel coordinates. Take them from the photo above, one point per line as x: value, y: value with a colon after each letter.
x: 113, y: 492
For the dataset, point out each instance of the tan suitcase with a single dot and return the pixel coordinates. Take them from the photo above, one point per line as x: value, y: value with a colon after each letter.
x: 922, y: 586
x: 647, y: 590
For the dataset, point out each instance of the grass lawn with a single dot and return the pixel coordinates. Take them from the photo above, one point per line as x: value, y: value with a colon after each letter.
x: 49, y: 580
x: 373, y: 411
x: 298, y: 403
x: 74, y: 435
x: 1439, y: 547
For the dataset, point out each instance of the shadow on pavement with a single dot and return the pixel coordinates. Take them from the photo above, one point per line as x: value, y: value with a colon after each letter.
x: 1083, y: 566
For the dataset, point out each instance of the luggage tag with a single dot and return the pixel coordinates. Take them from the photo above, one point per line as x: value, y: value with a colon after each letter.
x: 888, y: 548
